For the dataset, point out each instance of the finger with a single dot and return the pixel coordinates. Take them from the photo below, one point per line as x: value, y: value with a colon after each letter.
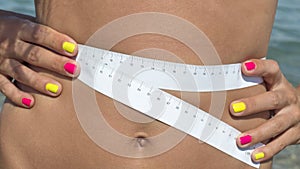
x: 264, y: 153
x: 48, y: 37
x: 268, y: 130
x: 268, y: 69
x: 30, y: 78
x: 266, y: 101
x: 41, y: 57
x: 14, y: 94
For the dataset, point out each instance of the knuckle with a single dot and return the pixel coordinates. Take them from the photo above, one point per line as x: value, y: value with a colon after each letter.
x: 34, y: 85
x: 39, y: 33
x: 275, y: 99
x: 18, y: 45
x: 3, y: 86
x: 4, y: 66
x: 26, y: 25
x: 19, y: 50
x: 292, y: 98
x: 274, y: 65
x: 55, y: 65
x: 53, y: 40
x: 3, y: 45
x: 275, y: 68
x: 33, y: 55
x: 251, y: 103
x: 3, y: 62
x: 280, y: 147
x: 27, y: 22
x: 18, y: 71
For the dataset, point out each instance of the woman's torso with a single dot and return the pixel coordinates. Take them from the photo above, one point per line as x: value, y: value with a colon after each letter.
x: 50, y: 136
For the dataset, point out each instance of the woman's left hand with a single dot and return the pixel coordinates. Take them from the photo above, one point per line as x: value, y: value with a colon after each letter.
x: 283, y: 128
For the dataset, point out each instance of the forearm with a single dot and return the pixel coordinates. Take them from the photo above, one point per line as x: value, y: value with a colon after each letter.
x: 298, y: 90
x: 9, y: 13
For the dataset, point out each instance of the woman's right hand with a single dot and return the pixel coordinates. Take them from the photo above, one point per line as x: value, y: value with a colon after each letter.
x: 23, y: 41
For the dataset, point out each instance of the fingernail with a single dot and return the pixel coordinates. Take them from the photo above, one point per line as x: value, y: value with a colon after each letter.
x: 245, y: 139
x: 70, y: 67
x: 259, y: 155
x: 250, y: 66
x: 68, y: 47
x: 26, y: 102
x: 53, y: 88
x: 238, y: 107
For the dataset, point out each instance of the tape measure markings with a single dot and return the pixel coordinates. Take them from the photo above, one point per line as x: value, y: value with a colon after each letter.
x: 101, y: 71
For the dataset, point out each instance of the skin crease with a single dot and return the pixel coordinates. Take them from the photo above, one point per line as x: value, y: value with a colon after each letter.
x: 49, y: 135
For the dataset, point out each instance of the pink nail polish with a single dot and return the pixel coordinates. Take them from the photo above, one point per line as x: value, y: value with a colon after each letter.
x: 245, y: 139
x: 250, y: 66
x: 70, y: 67
x: 26, y: 102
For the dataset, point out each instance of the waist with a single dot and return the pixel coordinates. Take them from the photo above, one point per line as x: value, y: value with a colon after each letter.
x: 53, y: 122
x: 52, y: 126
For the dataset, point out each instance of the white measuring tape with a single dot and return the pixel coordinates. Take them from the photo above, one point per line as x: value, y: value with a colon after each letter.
x: 112, y: 73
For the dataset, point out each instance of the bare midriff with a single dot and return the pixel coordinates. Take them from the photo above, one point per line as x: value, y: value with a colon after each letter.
x: 50, y: 136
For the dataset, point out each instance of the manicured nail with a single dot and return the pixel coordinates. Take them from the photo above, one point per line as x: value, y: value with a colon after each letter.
x: 238, y: 107
x: 250, y: 66
x: 53, y: 88
x: 259, y: 156
x: 70, y: 67
x: 68, y: 47
x: 26, y: 102
x: 245, y: 139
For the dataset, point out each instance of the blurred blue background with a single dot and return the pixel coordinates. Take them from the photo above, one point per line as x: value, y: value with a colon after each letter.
x: 284, y: 47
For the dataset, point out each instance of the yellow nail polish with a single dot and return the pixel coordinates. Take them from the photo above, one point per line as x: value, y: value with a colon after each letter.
x: 69, y: 47
x: 259, y: 156
x: 238, y: 107
x: 53, y: 88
